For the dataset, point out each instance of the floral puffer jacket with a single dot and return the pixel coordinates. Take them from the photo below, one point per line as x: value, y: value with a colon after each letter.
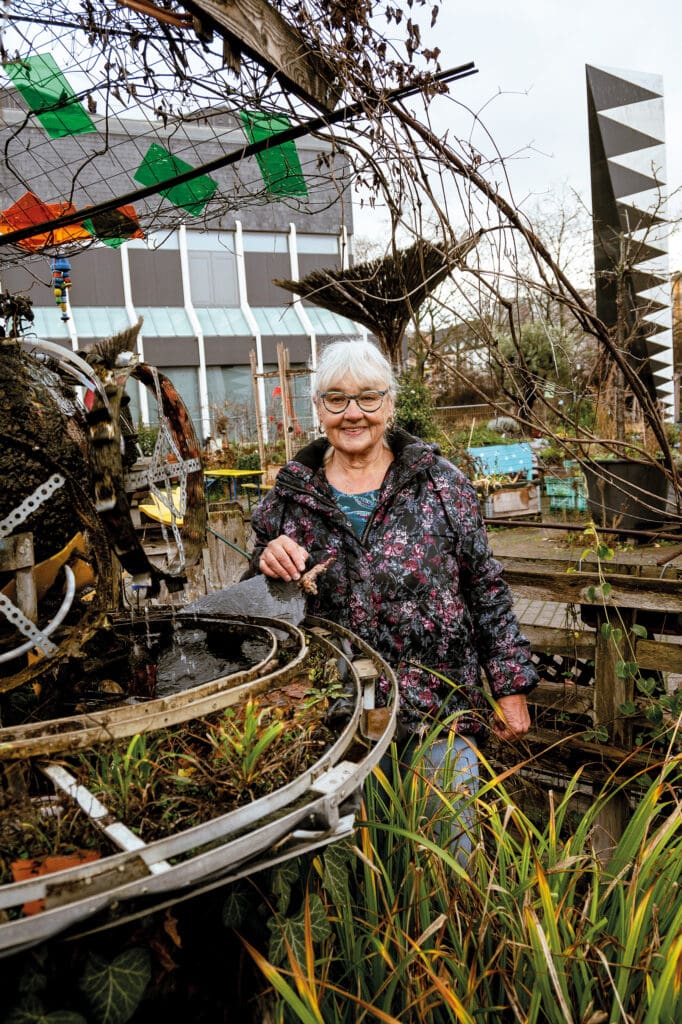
x: 421, y: 586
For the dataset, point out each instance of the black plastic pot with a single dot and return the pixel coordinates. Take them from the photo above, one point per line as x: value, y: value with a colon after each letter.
x: 626, y: 495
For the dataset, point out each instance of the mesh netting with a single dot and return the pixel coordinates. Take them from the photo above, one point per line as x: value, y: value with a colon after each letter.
x: 100, y: 103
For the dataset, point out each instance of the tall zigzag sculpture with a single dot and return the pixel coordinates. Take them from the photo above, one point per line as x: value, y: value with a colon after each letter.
x: 627, y: 162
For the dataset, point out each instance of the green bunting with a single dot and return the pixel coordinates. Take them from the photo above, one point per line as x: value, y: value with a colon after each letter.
x: 160, y: 165
x: 49, y: 95
x: 279, y: 165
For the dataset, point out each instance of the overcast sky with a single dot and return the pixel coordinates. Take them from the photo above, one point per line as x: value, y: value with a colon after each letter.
x: 531, y: 57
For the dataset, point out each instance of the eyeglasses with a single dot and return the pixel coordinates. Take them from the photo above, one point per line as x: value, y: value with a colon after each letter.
x: 338, y: 401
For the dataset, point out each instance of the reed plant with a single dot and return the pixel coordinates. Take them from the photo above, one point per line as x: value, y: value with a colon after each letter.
x: 534, y: 925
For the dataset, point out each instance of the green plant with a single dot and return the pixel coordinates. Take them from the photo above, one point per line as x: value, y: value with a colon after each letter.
x: 243, y: 744
x: 656, y: 711
x: 275, y: 453
x: 109, y: 991
x: 124, y: 775
x: 247, y: 458
x: 415, y: 409
x: 146, y: 438
x: 535, y: 928
x: 324, y: 682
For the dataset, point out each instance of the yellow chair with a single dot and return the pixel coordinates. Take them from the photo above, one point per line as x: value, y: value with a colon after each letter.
x: 159, y: 512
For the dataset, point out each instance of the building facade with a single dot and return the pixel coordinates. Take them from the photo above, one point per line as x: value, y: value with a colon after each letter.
x: 203, y: 280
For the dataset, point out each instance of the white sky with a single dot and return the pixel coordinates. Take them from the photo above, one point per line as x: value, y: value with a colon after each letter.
x: 531, y: 57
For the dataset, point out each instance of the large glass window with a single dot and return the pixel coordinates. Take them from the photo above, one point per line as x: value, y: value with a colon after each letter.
x: 265, y: 241
x: 231, y: 405
x: 233, y: 411
x: 212, y: 269
x: 186, y: 382
x: 326, y: 244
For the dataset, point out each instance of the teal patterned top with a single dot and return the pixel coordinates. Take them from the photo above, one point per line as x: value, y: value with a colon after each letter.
x: 358, y: 507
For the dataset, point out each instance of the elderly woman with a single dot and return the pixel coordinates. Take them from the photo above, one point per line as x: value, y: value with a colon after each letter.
x: 412, y: 572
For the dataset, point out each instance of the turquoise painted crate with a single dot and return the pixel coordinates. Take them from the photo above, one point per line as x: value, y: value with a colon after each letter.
x: 566, y: 493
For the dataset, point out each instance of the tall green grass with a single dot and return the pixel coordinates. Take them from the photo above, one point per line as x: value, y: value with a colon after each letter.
x: 535, y: 927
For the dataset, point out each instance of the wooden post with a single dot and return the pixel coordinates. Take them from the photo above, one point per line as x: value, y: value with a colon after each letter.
x: 283, y: 365
x: 610, y: 692
x: 16, y: 555
x: 259, y: 410
x: 263, y: 33
x: 226, y: 564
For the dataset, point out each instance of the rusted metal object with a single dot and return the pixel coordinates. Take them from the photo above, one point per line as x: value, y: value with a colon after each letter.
x: 66, y: 485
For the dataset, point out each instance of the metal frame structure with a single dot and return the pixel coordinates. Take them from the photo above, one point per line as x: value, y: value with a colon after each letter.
x: 312, y: 810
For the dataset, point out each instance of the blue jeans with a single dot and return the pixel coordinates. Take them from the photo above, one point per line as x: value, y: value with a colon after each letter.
x: 450, y: 765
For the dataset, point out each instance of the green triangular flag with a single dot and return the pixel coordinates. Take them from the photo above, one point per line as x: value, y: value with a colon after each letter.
x: 279, y: 165
x: 49, y: 95
x: 160, y: 165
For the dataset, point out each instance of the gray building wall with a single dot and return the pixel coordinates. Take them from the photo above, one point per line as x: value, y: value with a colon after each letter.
x: 204, y: 286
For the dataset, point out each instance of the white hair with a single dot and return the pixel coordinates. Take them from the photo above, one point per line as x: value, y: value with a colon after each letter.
x: 358, y: 359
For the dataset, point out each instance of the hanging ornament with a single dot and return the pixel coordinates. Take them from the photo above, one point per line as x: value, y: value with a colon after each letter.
x: 61, y: 282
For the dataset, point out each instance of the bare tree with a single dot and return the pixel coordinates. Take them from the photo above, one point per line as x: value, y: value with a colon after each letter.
x: 430, y: 181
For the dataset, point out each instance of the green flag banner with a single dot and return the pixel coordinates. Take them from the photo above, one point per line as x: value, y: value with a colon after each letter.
x: 49, y: 95
x: 159, y: 165
x: 279, y: 165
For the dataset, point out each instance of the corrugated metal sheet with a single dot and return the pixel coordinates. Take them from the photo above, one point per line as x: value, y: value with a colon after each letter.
x: 326, y: 322
x: 47, y: 324
x: 223, y: 322
x: 99, y: 321
x: 278, y: 320
x: 165, y: 322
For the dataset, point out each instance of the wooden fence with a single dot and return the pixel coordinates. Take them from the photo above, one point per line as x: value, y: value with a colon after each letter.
x: 597, y: 602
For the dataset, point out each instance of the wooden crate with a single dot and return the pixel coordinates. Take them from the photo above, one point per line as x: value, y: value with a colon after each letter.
x: 516, y: 500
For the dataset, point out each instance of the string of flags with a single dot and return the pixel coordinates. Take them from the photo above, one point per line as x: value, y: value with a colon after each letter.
x: 56, y: 105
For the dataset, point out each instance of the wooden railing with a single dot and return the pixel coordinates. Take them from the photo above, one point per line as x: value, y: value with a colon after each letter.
x: 618, y: 596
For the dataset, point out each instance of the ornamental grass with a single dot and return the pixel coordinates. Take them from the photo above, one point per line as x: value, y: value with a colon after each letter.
x: 534, y: 925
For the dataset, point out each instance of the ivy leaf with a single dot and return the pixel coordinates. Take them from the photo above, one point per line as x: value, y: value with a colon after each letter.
x: 30, y: 1011
x: 114, y: 990
x: 292, y: 930
x: 284, y: 877
x: 34, y: 979
x: 628, y: 708
x: 335, y: 877
x: 639, y: 630
x: 237, y: 907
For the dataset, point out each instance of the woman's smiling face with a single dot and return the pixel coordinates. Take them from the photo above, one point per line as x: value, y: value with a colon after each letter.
x: 354, y: 432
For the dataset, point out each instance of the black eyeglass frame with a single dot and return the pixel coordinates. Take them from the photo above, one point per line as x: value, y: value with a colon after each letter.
x: 355, y: 398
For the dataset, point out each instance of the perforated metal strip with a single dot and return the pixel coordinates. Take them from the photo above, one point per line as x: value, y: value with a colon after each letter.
x: 17, y: 618
x: 21, y: 513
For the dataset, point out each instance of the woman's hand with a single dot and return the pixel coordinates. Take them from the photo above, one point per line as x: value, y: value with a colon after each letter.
x: 512, y: 721
x: 283, y: 559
